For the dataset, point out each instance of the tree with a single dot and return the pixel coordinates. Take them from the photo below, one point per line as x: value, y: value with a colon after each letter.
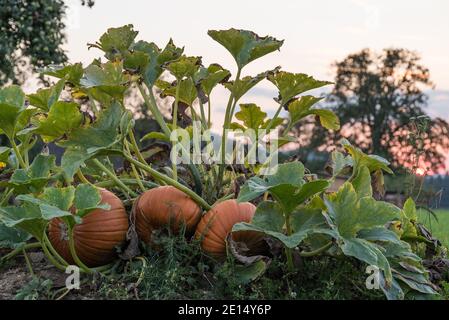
x: 31, y: 36
x: 380, y: 101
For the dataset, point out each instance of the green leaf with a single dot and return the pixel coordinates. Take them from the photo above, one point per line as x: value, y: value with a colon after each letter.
x: 184, y: 67
x: 361, y: 159
x: 301, y: 108
x: 339, y: 162
x: 86, y: 142
x: 187, y: 90
x: 62, y: 118
x: 245, y: 46
x: 210, y: 77
x: 156, y: 59
x: 269, y: 217
x: 367, y: 252
x: 71, y: 73
x: 239, y: 87
x: 12, y: 238
x: 87, y: 199
x: 107, y: 78
x: 117, y: 41
x: 409, y: 210
x: 61, y: 198
x: 362, y: 183
x: 378, y: 234
x: 292, y: 84
x: 45, y: 98
x: 12, y: 103
x: 27, y: 217
x: 4, y: 154
x: 246, y: 274
x: 251, y: 115
x: 35, y: 177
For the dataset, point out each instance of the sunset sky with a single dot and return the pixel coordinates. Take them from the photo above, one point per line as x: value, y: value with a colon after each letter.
x: 316, y: 33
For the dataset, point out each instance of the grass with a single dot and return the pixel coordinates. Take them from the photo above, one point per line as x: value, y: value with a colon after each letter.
x: 440, y: 227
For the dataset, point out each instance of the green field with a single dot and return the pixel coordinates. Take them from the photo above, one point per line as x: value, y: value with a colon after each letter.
x: 440, y: 228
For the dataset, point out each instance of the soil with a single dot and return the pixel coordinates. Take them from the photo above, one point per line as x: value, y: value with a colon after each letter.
x: 14, y: 275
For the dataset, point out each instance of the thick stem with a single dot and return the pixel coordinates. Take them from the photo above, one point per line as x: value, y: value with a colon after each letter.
x: 224, y: 137
x: 17, y: 153
x: 174, y: 127
x: 82, y: 178
x: 46, y: 242
x: 208, y: 113
x: 133, y: 168
x: 132, y: 182
x: 289, y: 251
x: 169, y: 181
x: 19, y: 250
x: 151, y: 104
x: 28, y: 262
x: 74, y: 255
x: 51, y: 258
x: 317, y: 251
x: 114, y: 178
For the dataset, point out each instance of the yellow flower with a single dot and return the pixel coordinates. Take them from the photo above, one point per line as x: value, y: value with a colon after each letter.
x: 2, y: 165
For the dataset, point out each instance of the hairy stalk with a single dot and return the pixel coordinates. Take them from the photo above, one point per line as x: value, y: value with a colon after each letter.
x: 46, y: 242
x: 224, y: 137
x: 17, y: 153
x: 28, y: 262
x: 169, y: 181
x: 114, y: 177
x: 74, y: 255
x: 317, y: 251
x: 134, y: 170
x: 82, y: 178
x: 151, y: 104
x: 208, y: 113
x: 132, y: 182
x: 52, y: 260
x: 174, y: 127
x: 20, y: 249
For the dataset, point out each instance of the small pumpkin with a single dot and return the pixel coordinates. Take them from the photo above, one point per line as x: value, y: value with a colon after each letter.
x: 165, y: 206
x: 217, y: 223
x: 96, y: 237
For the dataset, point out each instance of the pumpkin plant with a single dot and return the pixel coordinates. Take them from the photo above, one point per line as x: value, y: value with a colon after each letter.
x: 64, y: 206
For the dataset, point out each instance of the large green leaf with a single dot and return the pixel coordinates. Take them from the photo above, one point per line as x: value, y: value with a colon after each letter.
x: 269, y: 219
x: 302, y: 107
x: 292, y: 84
x: 62, y: 118
x: 12, y: 103
x: 245, y: 46
x: 27, y: 217
x: 116, y: 41
x: 86, y: 142
x: 87, y: 199
x: 361, y: 159
x: 12, y: 238
x: 187, y: 90
x: 34, y: 178
x: 211, y: 76
x: 362, y: 183
x: 156, y: 59
x: 184, y: 67
x: 72, y: 73
x: 108, y: 78
x: 288, y: 174
x: 367, y: 252
x: 339, y: 162
x: 45, y: 98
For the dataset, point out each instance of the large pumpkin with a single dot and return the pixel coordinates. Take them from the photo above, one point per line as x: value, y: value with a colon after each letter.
x: 97, y: 237
x: 165, y: 206
x: 216, y: 225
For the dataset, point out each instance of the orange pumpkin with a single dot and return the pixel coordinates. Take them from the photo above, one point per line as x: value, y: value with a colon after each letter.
x: 96, y: 237
x: 216, y: 225
x: 165, y: 206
